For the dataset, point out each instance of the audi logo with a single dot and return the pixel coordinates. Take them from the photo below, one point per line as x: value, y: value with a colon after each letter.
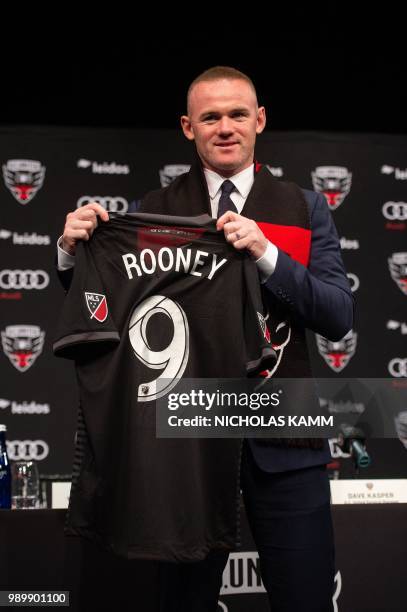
x: 395, y: 211
x: 110, y: 203
x: 23, y: 279
x: 36, y: 450
x: 398, y: 367
x: 354, y: 281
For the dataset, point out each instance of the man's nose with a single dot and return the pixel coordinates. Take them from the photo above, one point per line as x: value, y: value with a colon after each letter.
x: 225, y: 126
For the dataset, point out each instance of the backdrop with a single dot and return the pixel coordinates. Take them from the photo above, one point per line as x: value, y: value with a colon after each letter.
x: 47, y: 172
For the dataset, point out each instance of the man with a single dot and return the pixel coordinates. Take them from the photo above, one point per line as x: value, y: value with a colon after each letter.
x: 290, y: 235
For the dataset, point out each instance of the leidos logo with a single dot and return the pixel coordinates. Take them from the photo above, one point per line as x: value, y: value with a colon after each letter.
x: 104, y: 167
x: 334, y: 182
x: 115, y: 204
x: 398, y: 173
x: 337, y: 354
x: 32, y: 239
x: 398, y: 270
x: 22, y: 344
x: 23, y: 178
x: 170, y: 172
x: 24, y: 407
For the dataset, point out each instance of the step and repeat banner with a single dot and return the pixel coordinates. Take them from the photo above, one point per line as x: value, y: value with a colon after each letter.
x: 47, y: 172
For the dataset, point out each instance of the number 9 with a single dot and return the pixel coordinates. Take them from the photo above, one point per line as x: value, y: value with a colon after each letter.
x: 172, y: 359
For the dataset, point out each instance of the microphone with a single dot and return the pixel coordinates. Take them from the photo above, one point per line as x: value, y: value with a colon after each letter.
x: 353, y: 441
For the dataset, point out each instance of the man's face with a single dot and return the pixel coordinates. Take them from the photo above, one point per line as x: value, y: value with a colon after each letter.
x: 223, y: 119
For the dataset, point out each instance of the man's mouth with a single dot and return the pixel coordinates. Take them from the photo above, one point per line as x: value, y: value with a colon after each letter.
x: 225, y: 145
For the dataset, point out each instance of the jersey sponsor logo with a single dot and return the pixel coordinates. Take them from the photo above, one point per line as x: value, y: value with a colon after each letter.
x: 30, y: 450
x: 185, y: 261
x: 114, y: 204
x: 26, y: 239
x: 398, y: 270
x: 170, y: 173
x: 395, y: 211
x: 264, y: 328
x: 24, y: 279
x: 334, y: 182
x: 353, y: 281
x: 398, y: 367
x: 23, y: 178
x: 24, y: 407
x: 172, y: 359
x: 400, y: 174
x: 337, y: 354
x: 97, y: 306
x: 394, y: 325
x: 22, y: 344
x: 103, y: 167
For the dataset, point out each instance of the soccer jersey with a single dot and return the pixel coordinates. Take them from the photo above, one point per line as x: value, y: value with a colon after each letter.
x: 156, y: 299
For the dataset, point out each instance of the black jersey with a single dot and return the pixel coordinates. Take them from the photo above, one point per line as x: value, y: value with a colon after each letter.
x: 155, y: 299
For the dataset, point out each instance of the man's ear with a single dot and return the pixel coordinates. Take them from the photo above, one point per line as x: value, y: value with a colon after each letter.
x: 261, y: 120
x: 187, y: 127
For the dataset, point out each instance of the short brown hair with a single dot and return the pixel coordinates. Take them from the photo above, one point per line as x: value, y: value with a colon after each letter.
x: 220, y: 72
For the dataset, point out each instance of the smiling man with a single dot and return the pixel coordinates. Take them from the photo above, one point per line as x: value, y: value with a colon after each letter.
x: 289, y: 232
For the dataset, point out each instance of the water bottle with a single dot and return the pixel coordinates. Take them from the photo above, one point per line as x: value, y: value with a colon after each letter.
x: 5, y: 472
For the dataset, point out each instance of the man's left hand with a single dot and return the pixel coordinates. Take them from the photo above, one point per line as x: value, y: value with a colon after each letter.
x: 243, y: 233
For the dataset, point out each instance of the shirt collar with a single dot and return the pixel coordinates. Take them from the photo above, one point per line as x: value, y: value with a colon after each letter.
x: 243, y: 181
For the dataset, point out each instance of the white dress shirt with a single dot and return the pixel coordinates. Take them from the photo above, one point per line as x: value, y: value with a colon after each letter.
x: 243, y: 182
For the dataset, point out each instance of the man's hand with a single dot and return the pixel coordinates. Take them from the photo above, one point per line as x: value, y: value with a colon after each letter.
x: 243, y: 233
x: 80, y: 225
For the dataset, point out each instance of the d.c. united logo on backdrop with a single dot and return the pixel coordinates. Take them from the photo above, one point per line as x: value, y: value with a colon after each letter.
x: 23, y: 178
x: 334, y: 182
x: 22, y: 344
x: 337, y: 354
x: 398, y: 270
x: 97, y: 306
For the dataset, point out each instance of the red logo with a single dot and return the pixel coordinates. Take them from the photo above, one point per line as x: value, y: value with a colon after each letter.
x: 97, y: 306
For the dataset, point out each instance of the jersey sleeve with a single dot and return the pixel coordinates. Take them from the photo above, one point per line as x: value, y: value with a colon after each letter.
x: 260, y: 354
x: 85, y: 321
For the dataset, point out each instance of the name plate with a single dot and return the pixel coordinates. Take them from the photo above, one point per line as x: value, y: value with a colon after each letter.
x: 380, y: 491
x: 60, y: 495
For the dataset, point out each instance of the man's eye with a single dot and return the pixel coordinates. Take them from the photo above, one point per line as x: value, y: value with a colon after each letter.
x: 209, y: 118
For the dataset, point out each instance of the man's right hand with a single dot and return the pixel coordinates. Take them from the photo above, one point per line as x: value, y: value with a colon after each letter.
x: 80, y: 225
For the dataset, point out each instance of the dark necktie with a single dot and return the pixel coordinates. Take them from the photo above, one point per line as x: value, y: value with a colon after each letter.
x: 225, y: 201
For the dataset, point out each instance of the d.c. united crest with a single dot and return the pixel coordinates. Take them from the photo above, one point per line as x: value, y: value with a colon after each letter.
x: 23, y: 178
x: 334, y: 182
x: 22, y: 344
